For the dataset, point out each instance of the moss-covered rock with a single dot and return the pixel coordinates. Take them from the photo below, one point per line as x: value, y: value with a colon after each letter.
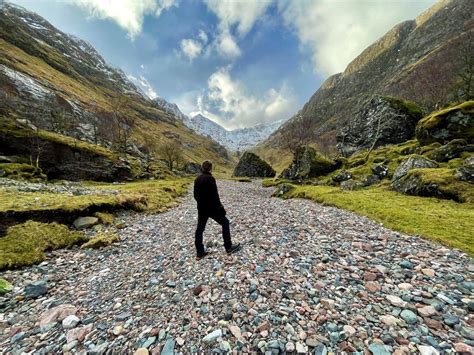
x: 439, y: 182
x: 105, y: 218
x: 101, y: 240
x: 252, y: 165
x: 25, y: 244
x: 5, y: 286
x: 448, y: 124
x: 447, y: 152
x: 21, y: 171
x: 414, y: 162
x: 308, y: 163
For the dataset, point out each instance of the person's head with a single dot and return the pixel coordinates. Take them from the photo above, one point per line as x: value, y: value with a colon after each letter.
x: 206, y: 166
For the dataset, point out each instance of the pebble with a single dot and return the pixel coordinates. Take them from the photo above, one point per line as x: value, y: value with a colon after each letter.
x: 213, y: 336
x: 70, y: 322
x: 409, y: 317
x: 36, y: 289
x: 168, y: 348
x: 309, y: 278
x: 378, y: 349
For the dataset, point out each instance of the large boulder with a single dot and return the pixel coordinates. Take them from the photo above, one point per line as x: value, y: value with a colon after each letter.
x: 415, y: 162
x: 383, y: 120
x: 252, y: 165
x: 466, y: 171
x: 448, y: 124
x: 428, y: 182
x: 308, y: 163
x: 448, y: 151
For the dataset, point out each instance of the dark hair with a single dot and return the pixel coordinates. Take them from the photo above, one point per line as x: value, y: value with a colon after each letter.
x: 206, y: 166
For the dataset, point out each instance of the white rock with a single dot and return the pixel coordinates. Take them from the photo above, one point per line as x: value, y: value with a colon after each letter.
x: 70, y: 322
x: 212, y: 337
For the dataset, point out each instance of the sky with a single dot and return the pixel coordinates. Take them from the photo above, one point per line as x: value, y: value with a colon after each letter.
x: 237, y: 62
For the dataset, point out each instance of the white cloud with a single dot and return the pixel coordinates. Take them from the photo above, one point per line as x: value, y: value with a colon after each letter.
x: 229, y: 103
x: 191, y: 48
x: 203, y: 36
x: 128, y: 14
x: 144, y: 85
x: 241, y: 15
x: 226, y: 46
x: 337, y: 31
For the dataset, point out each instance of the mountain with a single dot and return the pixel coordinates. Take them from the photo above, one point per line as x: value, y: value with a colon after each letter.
x: 235, y: 140
x: 417, y: 60
x: 61, y: 84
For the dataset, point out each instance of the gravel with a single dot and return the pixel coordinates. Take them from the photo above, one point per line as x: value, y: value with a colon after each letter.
x: 309, y: 278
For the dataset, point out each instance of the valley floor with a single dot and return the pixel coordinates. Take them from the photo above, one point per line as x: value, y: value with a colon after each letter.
x: 309, y: 276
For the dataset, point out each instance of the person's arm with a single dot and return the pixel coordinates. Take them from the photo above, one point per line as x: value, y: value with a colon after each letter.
x: 195, y: 190
x: 215, y: 194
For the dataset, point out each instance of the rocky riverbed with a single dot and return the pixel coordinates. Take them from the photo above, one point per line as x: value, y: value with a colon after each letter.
x: 309, y: 279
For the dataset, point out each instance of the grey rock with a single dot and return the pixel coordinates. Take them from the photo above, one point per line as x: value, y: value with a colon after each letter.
x: 36, y: 289
x: 85, y: 222
x: 378, y: 349
x: 168, y: 348
x: 380, y: 120
x: 251, y: 165
x: 409, y: 317
x: 412, y: 163
x: 466, y: 171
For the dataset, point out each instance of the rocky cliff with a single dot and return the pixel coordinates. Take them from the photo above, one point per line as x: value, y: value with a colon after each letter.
x: 56, y: 82
x: 417, y: 60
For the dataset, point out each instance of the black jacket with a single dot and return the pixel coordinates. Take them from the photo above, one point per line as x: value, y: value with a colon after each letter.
x: 206, y: 195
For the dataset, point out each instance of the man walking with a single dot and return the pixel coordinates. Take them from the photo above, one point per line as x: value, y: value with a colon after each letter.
x: 209, y: 206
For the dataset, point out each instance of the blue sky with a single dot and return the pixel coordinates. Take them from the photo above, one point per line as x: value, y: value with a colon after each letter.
x: 238, y: 62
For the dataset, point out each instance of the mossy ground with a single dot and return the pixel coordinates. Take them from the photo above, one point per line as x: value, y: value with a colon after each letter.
x: 26, y: 243
x: 149, y: 195
x: 101, y: 240
x: 444, y: 221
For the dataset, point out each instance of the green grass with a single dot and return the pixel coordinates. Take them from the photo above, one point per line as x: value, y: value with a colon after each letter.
x: 443, y: 221
x: 151, y: 196
x: 25, y: 244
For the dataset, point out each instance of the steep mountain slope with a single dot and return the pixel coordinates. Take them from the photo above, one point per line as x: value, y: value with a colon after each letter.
x: 417, y: 60
x: 235, y: 140
x: 60, y: 83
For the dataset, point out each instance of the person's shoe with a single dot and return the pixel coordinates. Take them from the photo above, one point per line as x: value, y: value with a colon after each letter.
x: 202, y: 255
x: 234, y: 248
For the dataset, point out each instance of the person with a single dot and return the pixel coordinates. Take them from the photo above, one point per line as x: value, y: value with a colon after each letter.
x: 209, y: 206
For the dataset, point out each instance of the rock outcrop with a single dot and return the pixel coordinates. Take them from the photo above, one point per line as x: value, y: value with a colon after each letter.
x: 466, y: 171
x: 423, y: 182
x: 251, y: 165
x: 192, y: 168
x: 380, y: 121
x: 61, y: 157
x: 308, y: 163
x: 416, y: 162
x: 443, y: 126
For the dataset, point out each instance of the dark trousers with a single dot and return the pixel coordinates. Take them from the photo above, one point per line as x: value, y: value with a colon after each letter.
x: 202, y: 220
